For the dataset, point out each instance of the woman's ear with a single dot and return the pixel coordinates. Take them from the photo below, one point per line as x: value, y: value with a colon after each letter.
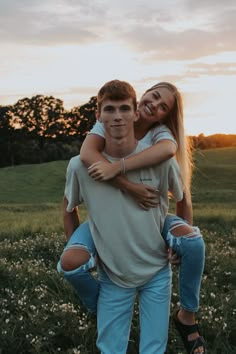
x: 98, y: 116
x: 136, y: 116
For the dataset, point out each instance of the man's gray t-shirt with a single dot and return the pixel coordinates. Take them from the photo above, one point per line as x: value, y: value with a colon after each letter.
x: 127, y: 238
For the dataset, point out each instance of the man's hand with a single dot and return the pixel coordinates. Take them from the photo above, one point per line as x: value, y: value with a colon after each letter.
x: 173, y: 258
x: 145, y: 196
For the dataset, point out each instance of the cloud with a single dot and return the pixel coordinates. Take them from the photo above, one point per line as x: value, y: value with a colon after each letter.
x: 49, y: 22
x: 207, y: 5
x: 187, y: 33
x: 203, y: 69
x: 171, y: 30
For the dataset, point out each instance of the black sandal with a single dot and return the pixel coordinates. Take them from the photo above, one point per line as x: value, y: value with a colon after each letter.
x: 185, y: 331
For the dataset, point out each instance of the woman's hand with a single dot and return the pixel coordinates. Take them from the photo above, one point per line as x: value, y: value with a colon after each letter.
x: 145, y: 196
x: 103, y: 171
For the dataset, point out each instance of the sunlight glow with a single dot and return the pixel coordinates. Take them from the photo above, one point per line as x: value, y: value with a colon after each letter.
x: 75, y: 73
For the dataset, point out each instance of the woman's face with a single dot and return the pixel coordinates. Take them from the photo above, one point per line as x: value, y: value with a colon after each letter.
x: 155, y: 105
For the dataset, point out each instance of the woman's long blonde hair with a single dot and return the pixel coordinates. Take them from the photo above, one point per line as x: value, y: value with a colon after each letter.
x: 175, y: 122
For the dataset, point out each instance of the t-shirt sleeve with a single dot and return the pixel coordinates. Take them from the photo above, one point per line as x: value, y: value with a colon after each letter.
x: 98, y: 129
x: 162, y: 133
x: 72, y: 187
x: 174, y: 180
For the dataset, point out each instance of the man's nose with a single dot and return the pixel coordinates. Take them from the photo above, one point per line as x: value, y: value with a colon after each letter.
x: 118, y: 115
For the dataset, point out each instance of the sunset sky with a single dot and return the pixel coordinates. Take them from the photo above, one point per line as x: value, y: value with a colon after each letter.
x: 69, y: 48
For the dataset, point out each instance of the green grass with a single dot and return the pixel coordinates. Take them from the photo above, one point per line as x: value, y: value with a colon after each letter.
x: 214, y: 179
x: 33, y: 184
x: 30, y: 218
x: 40, y: 312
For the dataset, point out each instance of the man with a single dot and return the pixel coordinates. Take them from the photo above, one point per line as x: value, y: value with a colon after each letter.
x: 131, y: 250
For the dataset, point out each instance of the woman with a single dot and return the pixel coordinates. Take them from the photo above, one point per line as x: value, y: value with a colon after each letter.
x: 161, y: 127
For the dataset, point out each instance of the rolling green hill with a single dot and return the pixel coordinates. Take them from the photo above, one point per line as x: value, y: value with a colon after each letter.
x: 214, y: 180
x: 31, y: 184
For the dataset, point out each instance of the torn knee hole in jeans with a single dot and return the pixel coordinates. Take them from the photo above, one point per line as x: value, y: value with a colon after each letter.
x: 75, y: 256
x: 181, y: 229
x: 77, y: 246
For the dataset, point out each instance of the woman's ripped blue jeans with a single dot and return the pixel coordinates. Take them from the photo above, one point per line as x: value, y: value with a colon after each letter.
x: 191, y: 250
x: 189, y: 247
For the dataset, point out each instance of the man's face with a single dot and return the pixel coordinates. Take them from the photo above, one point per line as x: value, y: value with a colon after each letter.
x: 118, y: 117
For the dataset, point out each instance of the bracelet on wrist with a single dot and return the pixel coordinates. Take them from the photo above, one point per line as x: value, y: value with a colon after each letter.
x: 123, y: 169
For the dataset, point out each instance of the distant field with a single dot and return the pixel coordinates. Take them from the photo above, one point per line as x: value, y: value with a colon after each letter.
x: 33, y: 184
x: 214, y: 180
x: 214, y: 187
x: 40, y: 313
x: 38, y: 189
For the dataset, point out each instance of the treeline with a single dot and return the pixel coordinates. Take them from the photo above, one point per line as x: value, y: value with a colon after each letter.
x: 213, y: 141
x: 40, y: 129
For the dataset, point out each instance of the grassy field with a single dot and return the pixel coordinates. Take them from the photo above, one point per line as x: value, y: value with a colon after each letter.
x: 40, y: 312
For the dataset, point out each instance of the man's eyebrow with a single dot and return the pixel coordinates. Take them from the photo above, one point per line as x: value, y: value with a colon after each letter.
x: 126, y: 105
x: 108, y: 106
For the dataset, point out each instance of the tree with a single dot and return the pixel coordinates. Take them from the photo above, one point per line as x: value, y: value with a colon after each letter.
x: 39, y: 119
x: 71, y: 124
x: 87, y: 117
x: 8, y: 137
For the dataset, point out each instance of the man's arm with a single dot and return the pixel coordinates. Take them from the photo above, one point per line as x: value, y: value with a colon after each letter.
x: 181, y: 196
x: 184, y: 208
x: 70, y: 220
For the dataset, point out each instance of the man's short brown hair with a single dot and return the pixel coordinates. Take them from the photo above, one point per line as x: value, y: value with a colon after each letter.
x: 116, y: 90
